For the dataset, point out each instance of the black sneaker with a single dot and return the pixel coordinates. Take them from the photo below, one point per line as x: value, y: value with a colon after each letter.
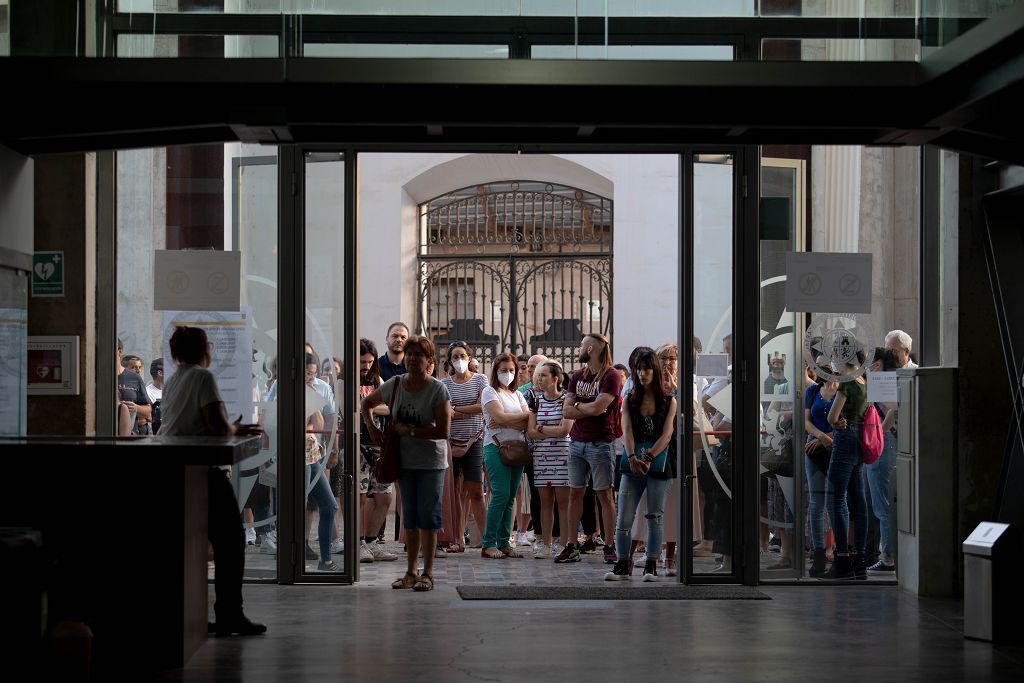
x: 880, y: 568
x: 623, y: 568
x: 609, y: 555
x: 651, y: 570
x: 841, y: 569
x: 241, y: 626
x: 569, y: 554
x: 588, y: 546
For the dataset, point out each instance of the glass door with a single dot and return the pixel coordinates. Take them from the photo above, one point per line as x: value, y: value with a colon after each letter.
x: 711, y: 457
x: 323, y: 361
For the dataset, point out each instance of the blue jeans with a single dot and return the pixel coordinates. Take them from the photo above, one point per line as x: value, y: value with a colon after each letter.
x: 817, y: 484
x: 879, y: 474
x: 421, y: 492
x: 846, y: 480
x: 593, y: 458
x: 504, y: 485
x: 319, y: 494
x: 630, y: 489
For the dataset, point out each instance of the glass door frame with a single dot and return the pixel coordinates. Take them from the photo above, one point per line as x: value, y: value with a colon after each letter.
x: 745, y: 352
x: 292, y: 338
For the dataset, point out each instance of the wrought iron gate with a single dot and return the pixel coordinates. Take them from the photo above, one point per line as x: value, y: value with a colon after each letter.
x: 520, y: 266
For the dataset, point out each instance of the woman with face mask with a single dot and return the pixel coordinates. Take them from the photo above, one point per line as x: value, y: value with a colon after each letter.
x: 506, y: 416
x: 466, y: 388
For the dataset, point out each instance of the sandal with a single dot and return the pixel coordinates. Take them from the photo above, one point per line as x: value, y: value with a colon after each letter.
x: 408, y: 580
x: 492, y: 554
x: 424, y: 582
x: 509, y: 551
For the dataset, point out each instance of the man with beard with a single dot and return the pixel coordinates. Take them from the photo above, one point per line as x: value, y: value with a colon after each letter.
x: 374, y: 498
x: 393, y: 362
x: 593, y: 402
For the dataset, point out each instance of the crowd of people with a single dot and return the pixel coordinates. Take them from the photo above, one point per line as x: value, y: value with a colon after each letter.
x: 603, y: 469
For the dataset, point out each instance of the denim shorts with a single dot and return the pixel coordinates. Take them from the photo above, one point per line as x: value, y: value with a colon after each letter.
x: 421, y: 498
x: 596, y: 459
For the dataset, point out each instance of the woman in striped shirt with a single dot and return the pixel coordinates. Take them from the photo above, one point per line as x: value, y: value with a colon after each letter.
x: 549, y: 430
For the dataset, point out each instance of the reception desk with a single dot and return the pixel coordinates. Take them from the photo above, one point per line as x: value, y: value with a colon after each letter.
x: 123, y: 521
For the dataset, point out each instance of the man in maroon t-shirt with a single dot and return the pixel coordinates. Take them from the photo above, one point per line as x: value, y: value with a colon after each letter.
x: 593, y: 402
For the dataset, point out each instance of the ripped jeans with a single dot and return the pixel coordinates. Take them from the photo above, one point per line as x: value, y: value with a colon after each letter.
x: 630, y: 490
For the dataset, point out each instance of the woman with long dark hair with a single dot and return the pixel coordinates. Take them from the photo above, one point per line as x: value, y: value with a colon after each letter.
x: 648, y: 420
x: 817, y: 454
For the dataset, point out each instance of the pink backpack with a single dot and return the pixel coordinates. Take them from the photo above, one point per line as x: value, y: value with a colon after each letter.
x: 872, y: 440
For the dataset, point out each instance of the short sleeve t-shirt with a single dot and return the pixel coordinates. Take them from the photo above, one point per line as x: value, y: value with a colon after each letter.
x: 131, y: 388
x: 511, y: 402
x: 189, y: 390
x: 819, y: 408
x: 599, y: 428
x: 856, y: 400
x: 466, y: 394
x: 417, y: 410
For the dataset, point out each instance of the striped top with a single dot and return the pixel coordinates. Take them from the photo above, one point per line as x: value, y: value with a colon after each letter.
x: 466, y: 394
x: 551, y: 455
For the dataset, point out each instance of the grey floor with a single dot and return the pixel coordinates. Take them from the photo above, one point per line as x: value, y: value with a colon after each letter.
x: 809, y: 632
x: 863, y: 633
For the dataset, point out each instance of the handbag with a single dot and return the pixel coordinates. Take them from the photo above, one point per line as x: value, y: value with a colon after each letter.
x: 642, y: 449
x: 461, y: 446
x: 386, y: 471
x: 514, y: 453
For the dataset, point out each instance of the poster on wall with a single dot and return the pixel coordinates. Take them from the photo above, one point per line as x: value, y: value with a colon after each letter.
x: 13, y: 371
x: 230, y: 334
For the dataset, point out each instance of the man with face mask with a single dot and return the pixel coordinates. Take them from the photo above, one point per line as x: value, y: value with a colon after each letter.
x: 593, y: 401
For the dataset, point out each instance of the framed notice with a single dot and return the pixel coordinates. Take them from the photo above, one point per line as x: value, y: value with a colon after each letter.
x: 53, y: 366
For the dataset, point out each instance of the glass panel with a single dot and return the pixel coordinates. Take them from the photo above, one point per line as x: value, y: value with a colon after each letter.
x: 323, y: 471
x: 138, y: 45
x: 712, y: 281
x: 188, y: 204
x: 625, y: 52
x: 836, y: 200
x: 5, y: 28
x: 841, y: 50
x: 13, y: 352
x: 782, y: 220
x: 405, y: 51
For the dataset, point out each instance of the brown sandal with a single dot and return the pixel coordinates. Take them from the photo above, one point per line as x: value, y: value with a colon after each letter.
x: 408, y: 580
x: 509, y: 551
x: 492, y: 554
x: 424, y: 583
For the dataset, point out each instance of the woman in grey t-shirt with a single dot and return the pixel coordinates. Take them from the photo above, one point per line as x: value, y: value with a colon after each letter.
x: 422, y: 418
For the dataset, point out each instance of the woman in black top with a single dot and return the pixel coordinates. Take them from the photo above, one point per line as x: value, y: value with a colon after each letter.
x: 845, y: 474
x: 648, y: 419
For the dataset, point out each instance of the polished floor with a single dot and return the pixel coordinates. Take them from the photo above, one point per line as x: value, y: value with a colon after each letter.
x: 805, y: 633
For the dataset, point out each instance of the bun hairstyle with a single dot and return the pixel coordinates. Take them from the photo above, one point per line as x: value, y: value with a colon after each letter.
x: 555, y: 368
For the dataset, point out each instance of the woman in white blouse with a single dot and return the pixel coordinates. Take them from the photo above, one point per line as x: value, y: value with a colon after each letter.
x: 506, y: 416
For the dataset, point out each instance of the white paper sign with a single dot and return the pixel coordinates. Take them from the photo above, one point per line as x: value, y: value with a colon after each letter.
x: 197, y: 280
x: 828, y: 282
x: 712, y: 365
x: 883, y: 387
x: 13, y: 371
x: 722, y: 401
x: 230, y: 333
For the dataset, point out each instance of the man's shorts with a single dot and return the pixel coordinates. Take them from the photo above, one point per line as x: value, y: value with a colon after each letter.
x: 596, y: 459
x: 367, y: 462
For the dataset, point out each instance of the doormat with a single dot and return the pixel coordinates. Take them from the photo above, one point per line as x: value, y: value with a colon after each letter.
x: 611, y: 592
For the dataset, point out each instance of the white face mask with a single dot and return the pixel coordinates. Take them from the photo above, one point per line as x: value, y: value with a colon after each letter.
x: 506, y: 377
x: 460, y: 365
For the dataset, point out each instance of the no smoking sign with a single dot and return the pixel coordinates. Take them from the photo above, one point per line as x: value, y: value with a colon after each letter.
x: 823, y: 283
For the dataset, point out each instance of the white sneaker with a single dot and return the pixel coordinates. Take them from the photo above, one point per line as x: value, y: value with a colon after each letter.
x: 531, y: 537
x: 364, y: 552
x: 338, y: 547
x: 641, y: 560
x: 542, y: 551
x: 556, y: 548
x: 379, y: 553
x: 250, y: 536
x: 522, y: 540
x: 268, y: 546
